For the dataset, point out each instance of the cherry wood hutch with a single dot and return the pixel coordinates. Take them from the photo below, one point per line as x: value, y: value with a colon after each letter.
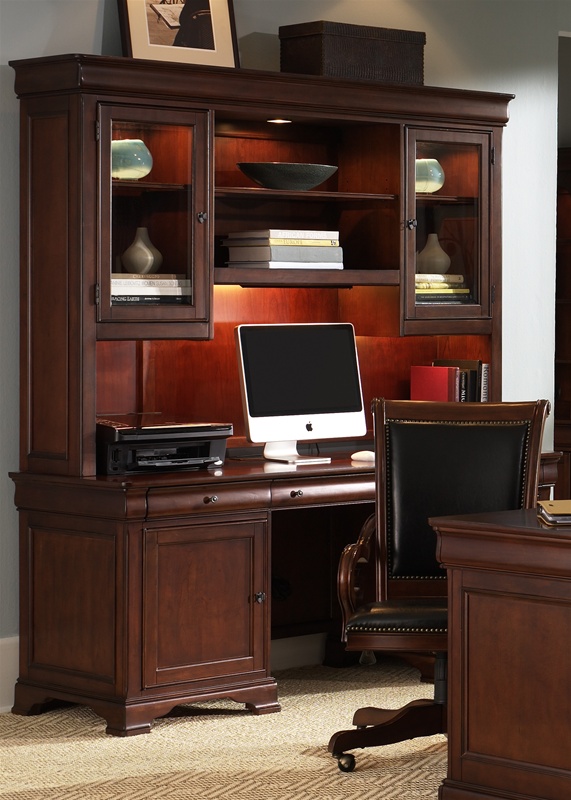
x: 141, y: 592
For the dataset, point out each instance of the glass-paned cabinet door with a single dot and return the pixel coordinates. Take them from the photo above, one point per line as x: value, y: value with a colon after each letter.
x: 155, y: 253
x: 447, y: 228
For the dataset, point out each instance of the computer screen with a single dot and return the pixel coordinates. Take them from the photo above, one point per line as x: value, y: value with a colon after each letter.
x: 300, y: 382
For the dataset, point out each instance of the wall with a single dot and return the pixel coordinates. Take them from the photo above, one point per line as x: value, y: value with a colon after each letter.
x: 564, y: 92
x: 494, y: 45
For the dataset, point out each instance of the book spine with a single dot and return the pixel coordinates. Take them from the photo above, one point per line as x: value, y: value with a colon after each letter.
x: 454, y: 386
x: 285, y: 264
x: 120, y: 284
x: 438, y: 285
x: 436, y: 299
x: 435, y: 276
x: 166, y: 299
x: 284, y: 233
x: 484, y: 382
x: 146, y: 278
x: 269, y: 241
x: 463, y: 386
x: 286, y: 253
x: 450, y: 290
x: 157, y: 291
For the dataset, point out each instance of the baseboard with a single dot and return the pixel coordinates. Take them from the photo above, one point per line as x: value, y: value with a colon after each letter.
x: 8, y: 671
x: 298, y: 651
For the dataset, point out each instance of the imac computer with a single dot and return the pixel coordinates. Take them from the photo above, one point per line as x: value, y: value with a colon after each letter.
x: 299, y: 382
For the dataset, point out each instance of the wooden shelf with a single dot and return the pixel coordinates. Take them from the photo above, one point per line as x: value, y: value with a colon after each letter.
x: 232, y: 276
x: 275, y: 194
x: 138, y: 187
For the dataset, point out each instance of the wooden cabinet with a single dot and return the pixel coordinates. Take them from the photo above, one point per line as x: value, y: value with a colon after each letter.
x: 85, y: 351
x: 457, y: 219
x: 205, y: 601
x: 509, y: 610
x: 170, y: 203
x: 134, y: 604
x: 166, y: 592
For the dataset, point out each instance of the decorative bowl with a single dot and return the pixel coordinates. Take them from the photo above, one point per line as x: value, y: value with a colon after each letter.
x: 283, y: 175
x: 130, y: 159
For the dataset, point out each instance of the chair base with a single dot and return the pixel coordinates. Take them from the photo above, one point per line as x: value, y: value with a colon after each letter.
x: 379, y: 726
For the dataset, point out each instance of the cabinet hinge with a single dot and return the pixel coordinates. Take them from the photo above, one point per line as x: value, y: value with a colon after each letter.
x: 96, y: 295
x: 492, y: 156
x: 97, y: 130
x: 493, y: 293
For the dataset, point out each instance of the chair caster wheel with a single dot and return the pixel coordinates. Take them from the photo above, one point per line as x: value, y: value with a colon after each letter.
x: 346, y: 762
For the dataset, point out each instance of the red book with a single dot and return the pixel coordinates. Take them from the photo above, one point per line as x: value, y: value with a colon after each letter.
x: 434, y: 383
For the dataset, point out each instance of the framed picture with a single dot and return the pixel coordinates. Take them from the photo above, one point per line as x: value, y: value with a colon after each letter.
x: 186, y: 31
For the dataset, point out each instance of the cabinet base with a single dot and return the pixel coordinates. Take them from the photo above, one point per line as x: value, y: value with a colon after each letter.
x: 552, y: 790
x: 131, y: 718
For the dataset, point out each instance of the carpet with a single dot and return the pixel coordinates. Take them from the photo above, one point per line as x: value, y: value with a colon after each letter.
x: 217, y: 750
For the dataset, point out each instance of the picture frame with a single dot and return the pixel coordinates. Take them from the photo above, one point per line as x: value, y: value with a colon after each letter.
x: 184, y: 31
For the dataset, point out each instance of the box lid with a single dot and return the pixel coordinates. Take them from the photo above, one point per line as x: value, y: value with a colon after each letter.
x: 345, y: 29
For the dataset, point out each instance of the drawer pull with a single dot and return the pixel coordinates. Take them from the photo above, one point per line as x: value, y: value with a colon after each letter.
x: 260, y: 597
x: 212, y: 499
x: 296, y: 493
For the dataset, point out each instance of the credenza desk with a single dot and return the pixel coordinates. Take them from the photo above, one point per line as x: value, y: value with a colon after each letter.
x: 140, y: 593
x: 509, y: 670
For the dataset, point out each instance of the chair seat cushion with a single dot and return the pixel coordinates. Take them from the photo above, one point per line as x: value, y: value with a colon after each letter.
x: 423, y: 615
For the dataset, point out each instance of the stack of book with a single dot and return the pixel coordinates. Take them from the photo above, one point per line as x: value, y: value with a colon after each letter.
x: 474, y: 378
x: 554, y: 512
x: 461, y: 380
x: 278, y: 248
x: 444, y: 288
x: 150, y: 289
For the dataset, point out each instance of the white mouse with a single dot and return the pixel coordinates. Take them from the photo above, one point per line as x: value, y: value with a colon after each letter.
x: 363, y: 455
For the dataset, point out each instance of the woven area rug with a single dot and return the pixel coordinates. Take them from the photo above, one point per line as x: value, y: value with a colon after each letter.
x: 219, y: 750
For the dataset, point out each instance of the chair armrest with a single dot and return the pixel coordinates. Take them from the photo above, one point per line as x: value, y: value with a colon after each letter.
x: 353, y: 574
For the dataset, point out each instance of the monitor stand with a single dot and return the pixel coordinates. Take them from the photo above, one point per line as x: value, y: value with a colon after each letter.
x: 287, y: 453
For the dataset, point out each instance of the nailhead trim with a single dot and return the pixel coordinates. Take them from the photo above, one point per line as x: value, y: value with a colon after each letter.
x: 395, y: 630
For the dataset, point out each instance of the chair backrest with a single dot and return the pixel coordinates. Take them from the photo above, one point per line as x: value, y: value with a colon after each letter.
x: 436, y: 459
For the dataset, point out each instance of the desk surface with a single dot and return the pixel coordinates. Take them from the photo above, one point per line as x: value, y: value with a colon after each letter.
x: 233, y: 469
x: 522, y: 522
x: 517, y: 540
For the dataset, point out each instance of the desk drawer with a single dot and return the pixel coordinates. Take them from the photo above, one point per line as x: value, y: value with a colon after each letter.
x: 208, y: 498
x: 322, y: 491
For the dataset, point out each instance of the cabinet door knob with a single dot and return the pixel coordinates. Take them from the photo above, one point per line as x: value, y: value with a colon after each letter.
x: 411, y: 224
x: 296, y: 493
x: 212, y: 499
x: 260, y: 597
x: 202, y: 216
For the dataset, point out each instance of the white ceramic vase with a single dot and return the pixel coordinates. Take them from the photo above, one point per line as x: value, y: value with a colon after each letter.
x: 429, y: 175
x: 141, y: 256
x: 130, y: 159
x: 432, y: 258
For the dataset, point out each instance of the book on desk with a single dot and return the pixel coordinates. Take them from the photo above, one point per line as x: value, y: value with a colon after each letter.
x: 554, y: 512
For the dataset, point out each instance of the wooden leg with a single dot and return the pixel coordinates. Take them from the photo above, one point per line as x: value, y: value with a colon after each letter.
x: 378, y: 726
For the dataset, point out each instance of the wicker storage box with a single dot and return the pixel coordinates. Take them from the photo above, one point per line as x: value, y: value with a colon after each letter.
x: 353, y: 51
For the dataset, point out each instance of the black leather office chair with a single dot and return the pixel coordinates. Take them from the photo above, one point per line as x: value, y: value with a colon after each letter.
x: 432, y: 459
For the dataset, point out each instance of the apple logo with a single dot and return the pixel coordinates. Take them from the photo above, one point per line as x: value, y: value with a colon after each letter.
x: 309, y: 427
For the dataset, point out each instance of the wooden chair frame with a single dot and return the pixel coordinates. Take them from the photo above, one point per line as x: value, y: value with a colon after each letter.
x: 364, y: 575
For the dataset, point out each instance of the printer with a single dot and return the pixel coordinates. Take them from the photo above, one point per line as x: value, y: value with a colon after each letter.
x: 132, y: 443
